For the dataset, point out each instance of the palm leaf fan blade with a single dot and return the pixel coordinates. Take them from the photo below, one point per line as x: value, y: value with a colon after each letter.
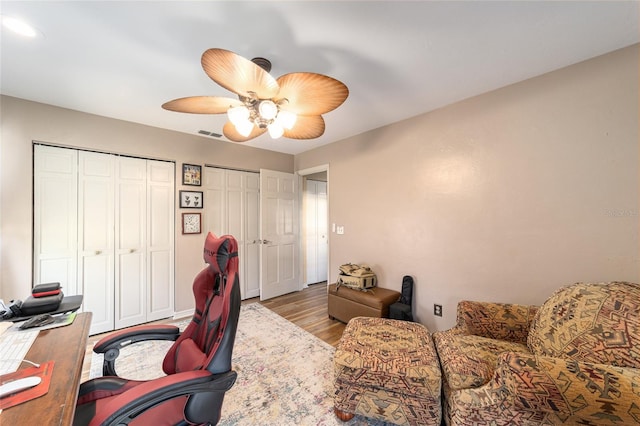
x: 230, y: 132
x: 238, y: 75
x: 310, y: 93
x: 306, y: 127
x: 201, y: 104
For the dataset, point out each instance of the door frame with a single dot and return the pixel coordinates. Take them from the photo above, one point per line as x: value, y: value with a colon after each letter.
x: 301, y: 174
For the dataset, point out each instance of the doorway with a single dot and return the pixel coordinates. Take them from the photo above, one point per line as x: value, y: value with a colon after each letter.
x: 314, y: 221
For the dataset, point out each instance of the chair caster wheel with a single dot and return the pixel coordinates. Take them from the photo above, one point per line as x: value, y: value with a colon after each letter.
x: 343, y: 415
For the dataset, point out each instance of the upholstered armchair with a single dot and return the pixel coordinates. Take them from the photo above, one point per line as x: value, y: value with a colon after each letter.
x: 574, y: 360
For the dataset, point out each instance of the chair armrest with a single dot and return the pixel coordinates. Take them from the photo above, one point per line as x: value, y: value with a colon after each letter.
x: 576, y: 392
x: 148, y: 394
x: 502, y: 321
x: 110, y: 345
x: 136, y: 334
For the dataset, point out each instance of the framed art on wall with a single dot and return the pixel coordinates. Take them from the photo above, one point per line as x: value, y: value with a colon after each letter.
x: 191, y: 199
x: 191, y: 174
x: 191, y: 223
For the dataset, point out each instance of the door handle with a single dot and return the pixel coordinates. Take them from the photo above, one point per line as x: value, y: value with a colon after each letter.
x: 98, y: 252
x: 265, y: 242
x: 132, y: 250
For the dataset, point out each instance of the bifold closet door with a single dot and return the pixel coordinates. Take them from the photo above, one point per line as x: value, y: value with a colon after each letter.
x: 252, y: 235
x: 104, y: 228
x: 232, y: 207
x: 130, y: 242
x: 55, y: 218
x: 160, y: 239
x: 96, y: 243
x: 243, y: 222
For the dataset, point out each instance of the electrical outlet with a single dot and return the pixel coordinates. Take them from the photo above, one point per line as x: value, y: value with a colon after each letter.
x: 437, y: 310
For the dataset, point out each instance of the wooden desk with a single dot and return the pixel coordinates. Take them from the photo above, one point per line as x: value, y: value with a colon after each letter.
x: 66, y: 346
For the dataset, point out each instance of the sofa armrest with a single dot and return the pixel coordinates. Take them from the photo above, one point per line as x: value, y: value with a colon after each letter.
x: 576, y: 392
x: 502, y: 321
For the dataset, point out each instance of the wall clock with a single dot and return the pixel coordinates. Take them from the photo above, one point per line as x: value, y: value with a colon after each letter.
x: 191, y: 223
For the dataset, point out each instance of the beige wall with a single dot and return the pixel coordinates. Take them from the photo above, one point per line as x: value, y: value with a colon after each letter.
x: 23, y: 122
x: 506, y: 196
x: 503, y: 197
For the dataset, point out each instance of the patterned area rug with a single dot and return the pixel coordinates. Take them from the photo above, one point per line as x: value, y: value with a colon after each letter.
x: 285, y: 374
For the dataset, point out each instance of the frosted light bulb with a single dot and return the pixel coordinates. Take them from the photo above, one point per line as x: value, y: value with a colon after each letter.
x: 244, y: 128
x: 268, y: 110
x: 275, y: 130
x: 286, y: 119
x: 238, y: 115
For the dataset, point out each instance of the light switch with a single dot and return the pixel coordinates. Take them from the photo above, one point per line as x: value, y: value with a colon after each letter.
x: 340, y: 230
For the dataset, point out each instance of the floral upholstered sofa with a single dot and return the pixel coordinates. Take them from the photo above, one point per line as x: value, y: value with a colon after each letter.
x: 574, y: 360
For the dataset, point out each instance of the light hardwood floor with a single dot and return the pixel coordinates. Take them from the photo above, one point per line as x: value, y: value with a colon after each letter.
x: 307, y: 309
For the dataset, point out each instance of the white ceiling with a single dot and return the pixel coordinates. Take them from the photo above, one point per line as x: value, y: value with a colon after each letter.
x: 399, y: 59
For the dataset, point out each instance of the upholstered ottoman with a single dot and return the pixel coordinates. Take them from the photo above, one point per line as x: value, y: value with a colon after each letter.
x: 345, y: 303
x: 387, y: 370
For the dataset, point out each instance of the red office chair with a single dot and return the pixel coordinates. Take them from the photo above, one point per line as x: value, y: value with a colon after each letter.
x: 198, y: 364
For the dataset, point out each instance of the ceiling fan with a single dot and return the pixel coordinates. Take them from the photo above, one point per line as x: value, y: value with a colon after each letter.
x: 291, y: 105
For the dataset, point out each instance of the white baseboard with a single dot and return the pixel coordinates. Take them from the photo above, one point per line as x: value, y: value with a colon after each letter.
x: 183, y: 314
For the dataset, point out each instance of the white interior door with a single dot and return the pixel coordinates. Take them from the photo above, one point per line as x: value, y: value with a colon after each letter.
x: 104, y: 228
x: 310, y: 200
x: 215, y: 201
x: 279, y: 232
x: 130, y: 242
x: 96, y: 238
x: 235, y: 213
x: 232, y: 207
x: 315, y: 231
x: 55, y: 199
x: 322, y: 228
x: 252, y: 235
x: 160, y: 239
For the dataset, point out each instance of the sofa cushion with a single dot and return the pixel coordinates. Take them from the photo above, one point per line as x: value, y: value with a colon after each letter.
x: 590, y: 322
x: 503, y: 321
x: 469, y: 361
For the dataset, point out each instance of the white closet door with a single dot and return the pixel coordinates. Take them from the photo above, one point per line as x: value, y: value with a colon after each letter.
x: 235, y: 220
x: 252, y: 235
x: 130, y: 242
x: 160, y: 252
x: 96, y: 237
x: 214, y: 187
x: 56, y: 217
x: 104, y: 228
x: 232, y: 206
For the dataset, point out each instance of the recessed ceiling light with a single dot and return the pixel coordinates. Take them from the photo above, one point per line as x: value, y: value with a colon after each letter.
x: 18, y: 26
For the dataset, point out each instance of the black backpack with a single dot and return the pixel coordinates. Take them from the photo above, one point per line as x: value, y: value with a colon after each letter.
x: 401, y: 310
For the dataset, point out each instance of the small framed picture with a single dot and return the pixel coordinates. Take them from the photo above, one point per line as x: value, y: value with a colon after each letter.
x: 191, y: 174
x: 191, y: 223
x: 191, y: 199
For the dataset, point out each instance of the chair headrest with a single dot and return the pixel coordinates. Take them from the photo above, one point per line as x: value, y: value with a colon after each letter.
x: 217, y: 252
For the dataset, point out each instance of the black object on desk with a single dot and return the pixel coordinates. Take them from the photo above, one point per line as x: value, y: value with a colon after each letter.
x: 37, y: 321
x: 68, y: 304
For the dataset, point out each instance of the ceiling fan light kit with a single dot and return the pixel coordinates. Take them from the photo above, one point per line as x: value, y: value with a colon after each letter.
x: 262, y: 113
x: 290, y: 106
